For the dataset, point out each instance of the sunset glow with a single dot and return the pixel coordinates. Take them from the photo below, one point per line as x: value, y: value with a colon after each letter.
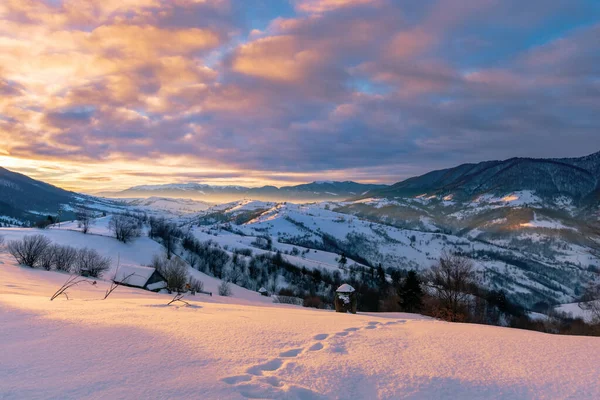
x: 98, y: 95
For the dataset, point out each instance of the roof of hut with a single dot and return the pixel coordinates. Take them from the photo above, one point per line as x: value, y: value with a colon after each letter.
x: 133, y: 275
x: 345, y: 288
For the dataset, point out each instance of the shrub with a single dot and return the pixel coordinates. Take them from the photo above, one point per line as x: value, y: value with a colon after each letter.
x: 29, y: 250
x: 46, y: 260
x: 224, y: 289
x: 313, y: 301
x: 90, y: 262
x: 196, y: 285
x: 174, y: 270
x: 1, y: 240
x: 85, y: 219
x: 64, y: 258
x: 125, y: 228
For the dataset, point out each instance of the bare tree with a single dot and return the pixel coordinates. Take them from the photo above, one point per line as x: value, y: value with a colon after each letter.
x: 450, y: 282
x: 192, y: 259
x: 85, y: 219
x: 124, y: 228
x: 89, y: 262
x: 224, y: 289
x: 590, y: 301
x: 196, y: 285
x: 48, y: 257
x: 174, y: 270
x: 29, y: 250
x: 64, y: 258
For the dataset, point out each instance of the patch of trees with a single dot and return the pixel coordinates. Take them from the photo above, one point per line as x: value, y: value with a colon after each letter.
x: 37, y: 251
x: 85, y: 219
x: 45, y: 222
x: 125, y: 228
x: 167, y: 233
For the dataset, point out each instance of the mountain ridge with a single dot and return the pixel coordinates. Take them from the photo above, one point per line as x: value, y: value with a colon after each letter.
x: 577, y: 177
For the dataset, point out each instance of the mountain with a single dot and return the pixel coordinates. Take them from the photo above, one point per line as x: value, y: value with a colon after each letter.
x: 577, y: 178
x: 24, y: 199
x: 315, y: 191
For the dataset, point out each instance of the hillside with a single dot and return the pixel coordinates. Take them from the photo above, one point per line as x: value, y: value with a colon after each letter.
x: 226, y: 348
x: 577, y: 178
x: 24, y: 199
x: 537, y: 265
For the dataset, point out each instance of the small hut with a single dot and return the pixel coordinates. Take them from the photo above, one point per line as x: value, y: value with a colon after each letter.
x: 140, y: 277
x: 345, y: 299
x: 263, y: 292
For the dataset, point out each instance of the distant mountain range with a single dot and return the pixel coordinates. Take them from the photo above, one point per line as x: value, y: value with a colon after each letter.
x: 577, y: 178
x: 315, y: 191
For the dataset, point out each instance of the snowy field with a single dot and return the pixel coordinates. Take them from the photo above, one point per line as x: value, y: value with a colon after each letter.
x: 134, y: 346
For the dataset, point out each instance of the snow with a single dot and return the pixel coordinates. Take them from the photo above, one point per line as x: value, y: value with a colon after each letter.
x: 576, y: 311
x: 547, y: 223
x: 158, y: 205
x: 345, y: 288
x: 132, y: 345
x: 139, y: 252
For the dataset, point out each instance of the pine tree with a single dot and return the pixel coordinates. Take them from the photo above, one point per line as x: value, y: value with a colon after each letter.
x: 410, y: 293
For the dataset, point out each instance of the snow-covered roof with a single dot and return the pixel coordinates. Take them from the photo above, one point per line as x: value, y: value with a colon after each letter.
x: 345, y: 288
x: 133, y: 275
x: 262, y: 290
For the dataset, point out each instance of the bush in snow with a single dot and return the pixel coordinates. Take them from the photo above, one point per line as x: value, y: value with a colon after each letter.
x: 46, y: 260
x: 174, y: 270
x: 196, y: 285
x: 224, y: 289
x: 591, y: 301
x: 90, y: 263
x: 64, y: 257
x: 263, y: 242
x: 1, y: 240
x: 125, y: 228
x: 29, y: 250
x: 85, y: 219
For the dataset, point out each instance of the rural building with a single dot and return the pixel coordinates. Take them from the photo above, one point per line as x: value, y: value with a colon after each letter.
x: 345, y: 299
x: 140, y: 277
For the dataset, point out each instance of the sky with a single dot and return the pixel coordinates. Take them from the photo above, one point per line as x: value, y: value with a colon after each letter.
x: 104, y: 95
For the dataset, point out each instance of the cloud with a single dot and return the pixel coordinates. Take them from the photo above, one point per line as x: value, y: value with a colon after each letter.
x: 375, y: 90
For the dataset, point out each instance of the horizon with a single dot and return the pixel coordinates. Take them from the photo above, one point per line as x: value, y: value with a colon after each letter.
x: 293, y: 184
x: 104, y: 96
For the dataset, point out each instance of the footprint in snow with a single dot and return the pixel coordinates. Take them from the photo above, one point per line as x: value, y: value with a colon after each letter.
x: 272, y: 365
x: 291, y: 353
x: 316, y: 347
x: 342, y: 334
x: 351, y: 329
x: 321, y: 336
x: 232, y: 380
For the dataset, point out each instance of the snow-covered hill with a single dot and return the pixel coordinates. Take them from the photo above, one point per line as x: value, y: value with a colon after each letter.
x: 138, y: 253
x: 532, y: 255
x: 133, y: 345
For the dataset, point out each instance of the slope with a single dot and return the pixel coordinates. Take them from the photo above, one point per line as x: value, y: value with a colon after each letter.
x: 134, y: 346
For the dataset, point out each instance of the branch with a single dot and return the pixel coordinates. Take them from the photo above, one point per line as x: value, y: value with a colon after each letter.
x: 73, y: 280
x: 178, y: 297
